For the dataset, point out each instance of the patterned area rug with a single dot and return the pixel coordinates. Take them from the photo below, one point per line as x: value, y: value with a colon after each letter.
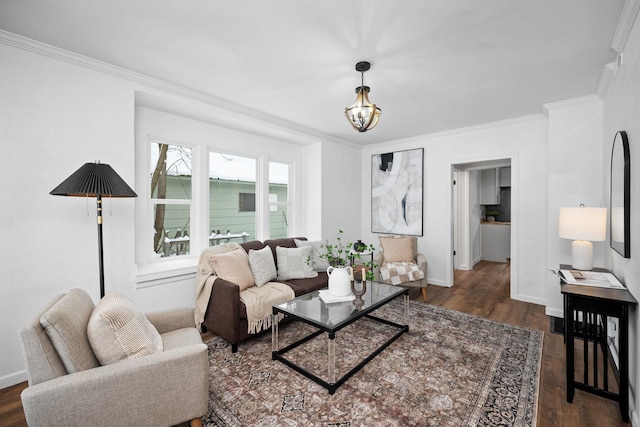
x: 451, y: 369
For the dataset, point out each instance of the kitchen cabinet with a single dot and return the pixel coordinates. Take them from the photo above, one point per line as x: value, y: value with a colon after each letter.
x: 495, y: 241
x: 504, y: 177
x: 489, y: 187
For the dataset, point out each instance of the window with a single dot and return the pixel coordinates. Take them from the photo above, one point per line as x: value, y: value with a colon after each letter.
x: 170, y: 181
x: 278, y: 200
x: 247, y: 202
x: 193, y: 197
x: 232, y: 198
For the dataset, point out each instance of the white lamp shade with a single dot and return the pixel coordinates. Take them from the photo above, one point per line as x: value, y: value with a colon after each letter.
x: 583, y: 224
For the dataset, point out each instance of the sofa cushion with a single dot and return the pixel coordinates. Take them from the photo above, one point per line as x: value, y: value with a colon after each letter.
x: 252, y: 244
x: 397, y: 249
x: 262, y: 265
x: 118, y: 330
x: 65, y: 323
x: 287, y: 242
x: 319, y: 248
x: 304, y: 286
x: 294, y: 263
x: 233, y: 266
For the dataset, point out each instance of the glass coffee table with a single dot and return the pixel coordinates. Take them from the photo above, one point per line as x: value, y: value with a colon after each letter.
x: 331, y: 318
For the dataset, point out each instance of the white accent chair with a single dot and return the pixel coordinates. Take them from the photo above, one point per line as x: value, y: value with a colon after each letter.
x: 161, y: 389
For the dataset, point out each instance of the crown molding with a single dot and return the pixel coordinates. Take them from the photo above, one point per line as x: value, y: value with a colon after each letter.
x: 272, y: 125
x: 625, y: 23
x: 627, y: 18
x: 608, y: 73
x: 464, y: 130
x: 573, y: 102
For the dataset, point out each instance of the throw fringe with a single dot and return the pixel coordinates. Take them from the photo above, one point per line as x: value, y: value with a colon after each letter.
x: 259, y: 325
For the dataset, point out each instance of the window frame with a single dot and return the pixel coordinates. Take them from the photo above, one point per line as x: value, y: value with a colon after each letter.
x: 157, y: 271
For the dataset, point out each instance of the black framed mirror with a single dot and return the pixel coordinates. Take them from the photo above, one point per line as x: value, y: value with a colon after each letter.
x: 620, y: 195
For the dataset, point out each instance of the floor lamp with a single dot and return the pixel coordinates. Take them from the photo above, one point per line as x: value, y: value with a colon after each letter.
x: 95, y: 180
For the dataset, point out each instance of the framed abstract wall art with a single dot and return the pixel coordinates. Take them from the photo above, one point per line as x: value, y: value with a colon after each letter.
x: 396, y: 192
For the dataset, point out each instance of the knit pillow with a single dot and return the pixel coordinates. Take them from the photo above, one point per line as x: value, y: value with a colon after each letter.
x: 233, y: 266
x: 118, y: 330
x: 262, y: 265
x: 293, y: 263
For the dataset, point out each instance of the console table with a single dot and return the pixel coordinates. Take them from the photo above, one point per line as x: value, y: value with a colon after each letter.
x: 596, y: 303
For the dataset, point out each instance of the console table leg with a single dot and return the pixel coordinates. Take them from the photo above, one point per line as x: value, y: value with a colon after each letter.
x: 569, y: 354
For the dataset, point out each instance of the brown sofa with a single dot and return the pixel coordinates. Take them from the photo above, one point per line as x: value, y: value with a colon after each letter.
x: 226, y: 315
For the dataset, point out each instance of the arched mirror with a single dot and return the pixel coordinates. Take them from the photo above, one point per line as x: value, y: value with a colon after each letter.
x: 619, y: 212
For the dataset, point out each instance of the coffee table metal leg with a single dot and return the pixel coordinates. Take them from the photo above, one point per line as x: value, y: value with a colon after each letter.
x: 331, y: 349
x: 274, y: 333
x: 406, y: 309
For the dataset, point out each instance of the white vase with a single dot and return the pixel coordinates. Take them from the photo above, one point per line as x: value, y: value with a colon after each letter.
x: 340, y: 280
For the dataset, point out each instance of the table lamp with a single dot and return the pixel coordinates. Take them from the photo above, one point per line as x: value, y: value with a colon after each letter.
x: 583, y: 226
x: 95, y: 180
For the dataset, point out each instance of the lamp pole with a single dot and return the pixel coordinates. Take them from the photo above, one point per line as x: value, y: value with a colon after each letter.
x: 100, y: 249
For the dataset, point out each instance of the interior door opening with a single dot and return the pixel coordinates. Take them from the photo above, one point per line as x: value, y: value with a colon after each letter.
x: 482, y: 215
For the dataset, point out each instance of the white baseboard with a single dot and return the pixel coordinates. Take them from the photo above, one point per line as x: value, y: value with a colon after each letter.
x: 13, y: 379
x: 438, y: 283
x: 554, y: 312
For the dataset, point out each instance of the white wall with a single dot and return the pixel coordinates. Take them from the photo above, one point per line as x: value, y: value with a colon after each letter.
x: 341, y: 189
x: 54, y: 117
x: 575, y: 177
x: 622, y: 112
x: 524, y: 141
x: 475, y: 214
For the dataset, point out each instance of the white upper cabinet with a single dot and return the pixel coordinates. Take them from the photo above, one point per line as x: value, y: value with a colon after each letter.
x: 504, y: 177
x: 489, y: 187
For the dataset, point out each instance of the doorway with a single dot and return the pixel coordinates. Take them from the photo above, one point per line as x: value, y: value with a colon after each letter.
x: 482, y: 214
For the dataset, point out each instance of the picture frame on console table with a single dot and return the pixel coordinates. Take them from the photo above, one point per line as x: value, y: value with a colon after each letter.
x: 397, y: 192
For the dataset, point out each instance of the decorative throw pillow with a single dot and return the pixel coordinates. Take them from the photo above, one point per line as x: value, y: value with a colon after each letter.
x: 65, y: 323
x: 118, y: 330
x: 262, y: 265
x: 397, y: 249
x: 318, y: 248
x: 292, y: 263
x: 233, y: 266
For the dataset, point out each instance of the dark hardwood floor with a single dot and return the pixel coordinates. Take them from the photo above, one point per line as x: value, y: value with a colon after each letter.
x: 483, y: 292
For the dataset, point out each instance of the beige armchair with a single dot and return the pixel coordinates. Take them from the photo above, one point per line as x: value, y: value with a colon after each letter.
x: 398, y: 256
x: 72, y: 389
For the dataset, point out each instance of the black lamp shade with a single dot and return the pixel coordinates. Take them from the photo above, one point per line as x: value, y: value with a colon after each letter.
x: 94, y: 179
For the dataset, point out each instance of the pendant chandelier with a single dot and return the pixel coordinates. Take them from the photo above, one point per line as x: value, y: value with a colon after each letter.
x: 363, y: 115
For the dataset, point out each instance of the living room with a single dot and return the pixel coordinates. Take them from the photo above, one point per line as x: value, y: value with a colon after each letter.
x: 62, y: 108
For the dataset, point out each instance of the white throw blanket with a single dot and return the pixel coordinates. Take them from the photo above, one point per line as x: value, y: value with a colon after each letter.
x: 259, y: 302
x: 395, y: 273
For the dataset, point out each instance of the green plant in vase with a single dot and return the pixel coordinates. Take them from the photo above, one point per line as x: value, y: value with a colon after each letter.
x: 344, y: 255
x: 490, y: 215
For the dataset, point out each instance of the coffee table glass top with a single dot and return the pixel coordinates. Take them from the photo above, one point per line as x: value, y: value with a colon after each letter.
x: 332, y: 316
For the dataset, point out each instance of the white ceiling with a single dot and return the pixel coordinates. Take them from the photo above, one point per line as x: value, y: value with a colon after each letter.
x: 436, y: 64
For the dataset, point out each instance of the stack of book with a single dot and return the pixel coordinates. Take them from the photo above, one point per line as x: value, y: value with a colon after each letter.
x: 326, y: 297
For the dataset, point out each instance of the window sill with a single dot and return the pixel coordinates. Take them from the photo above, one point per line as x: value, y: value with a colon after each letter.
x: 158, y: 274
